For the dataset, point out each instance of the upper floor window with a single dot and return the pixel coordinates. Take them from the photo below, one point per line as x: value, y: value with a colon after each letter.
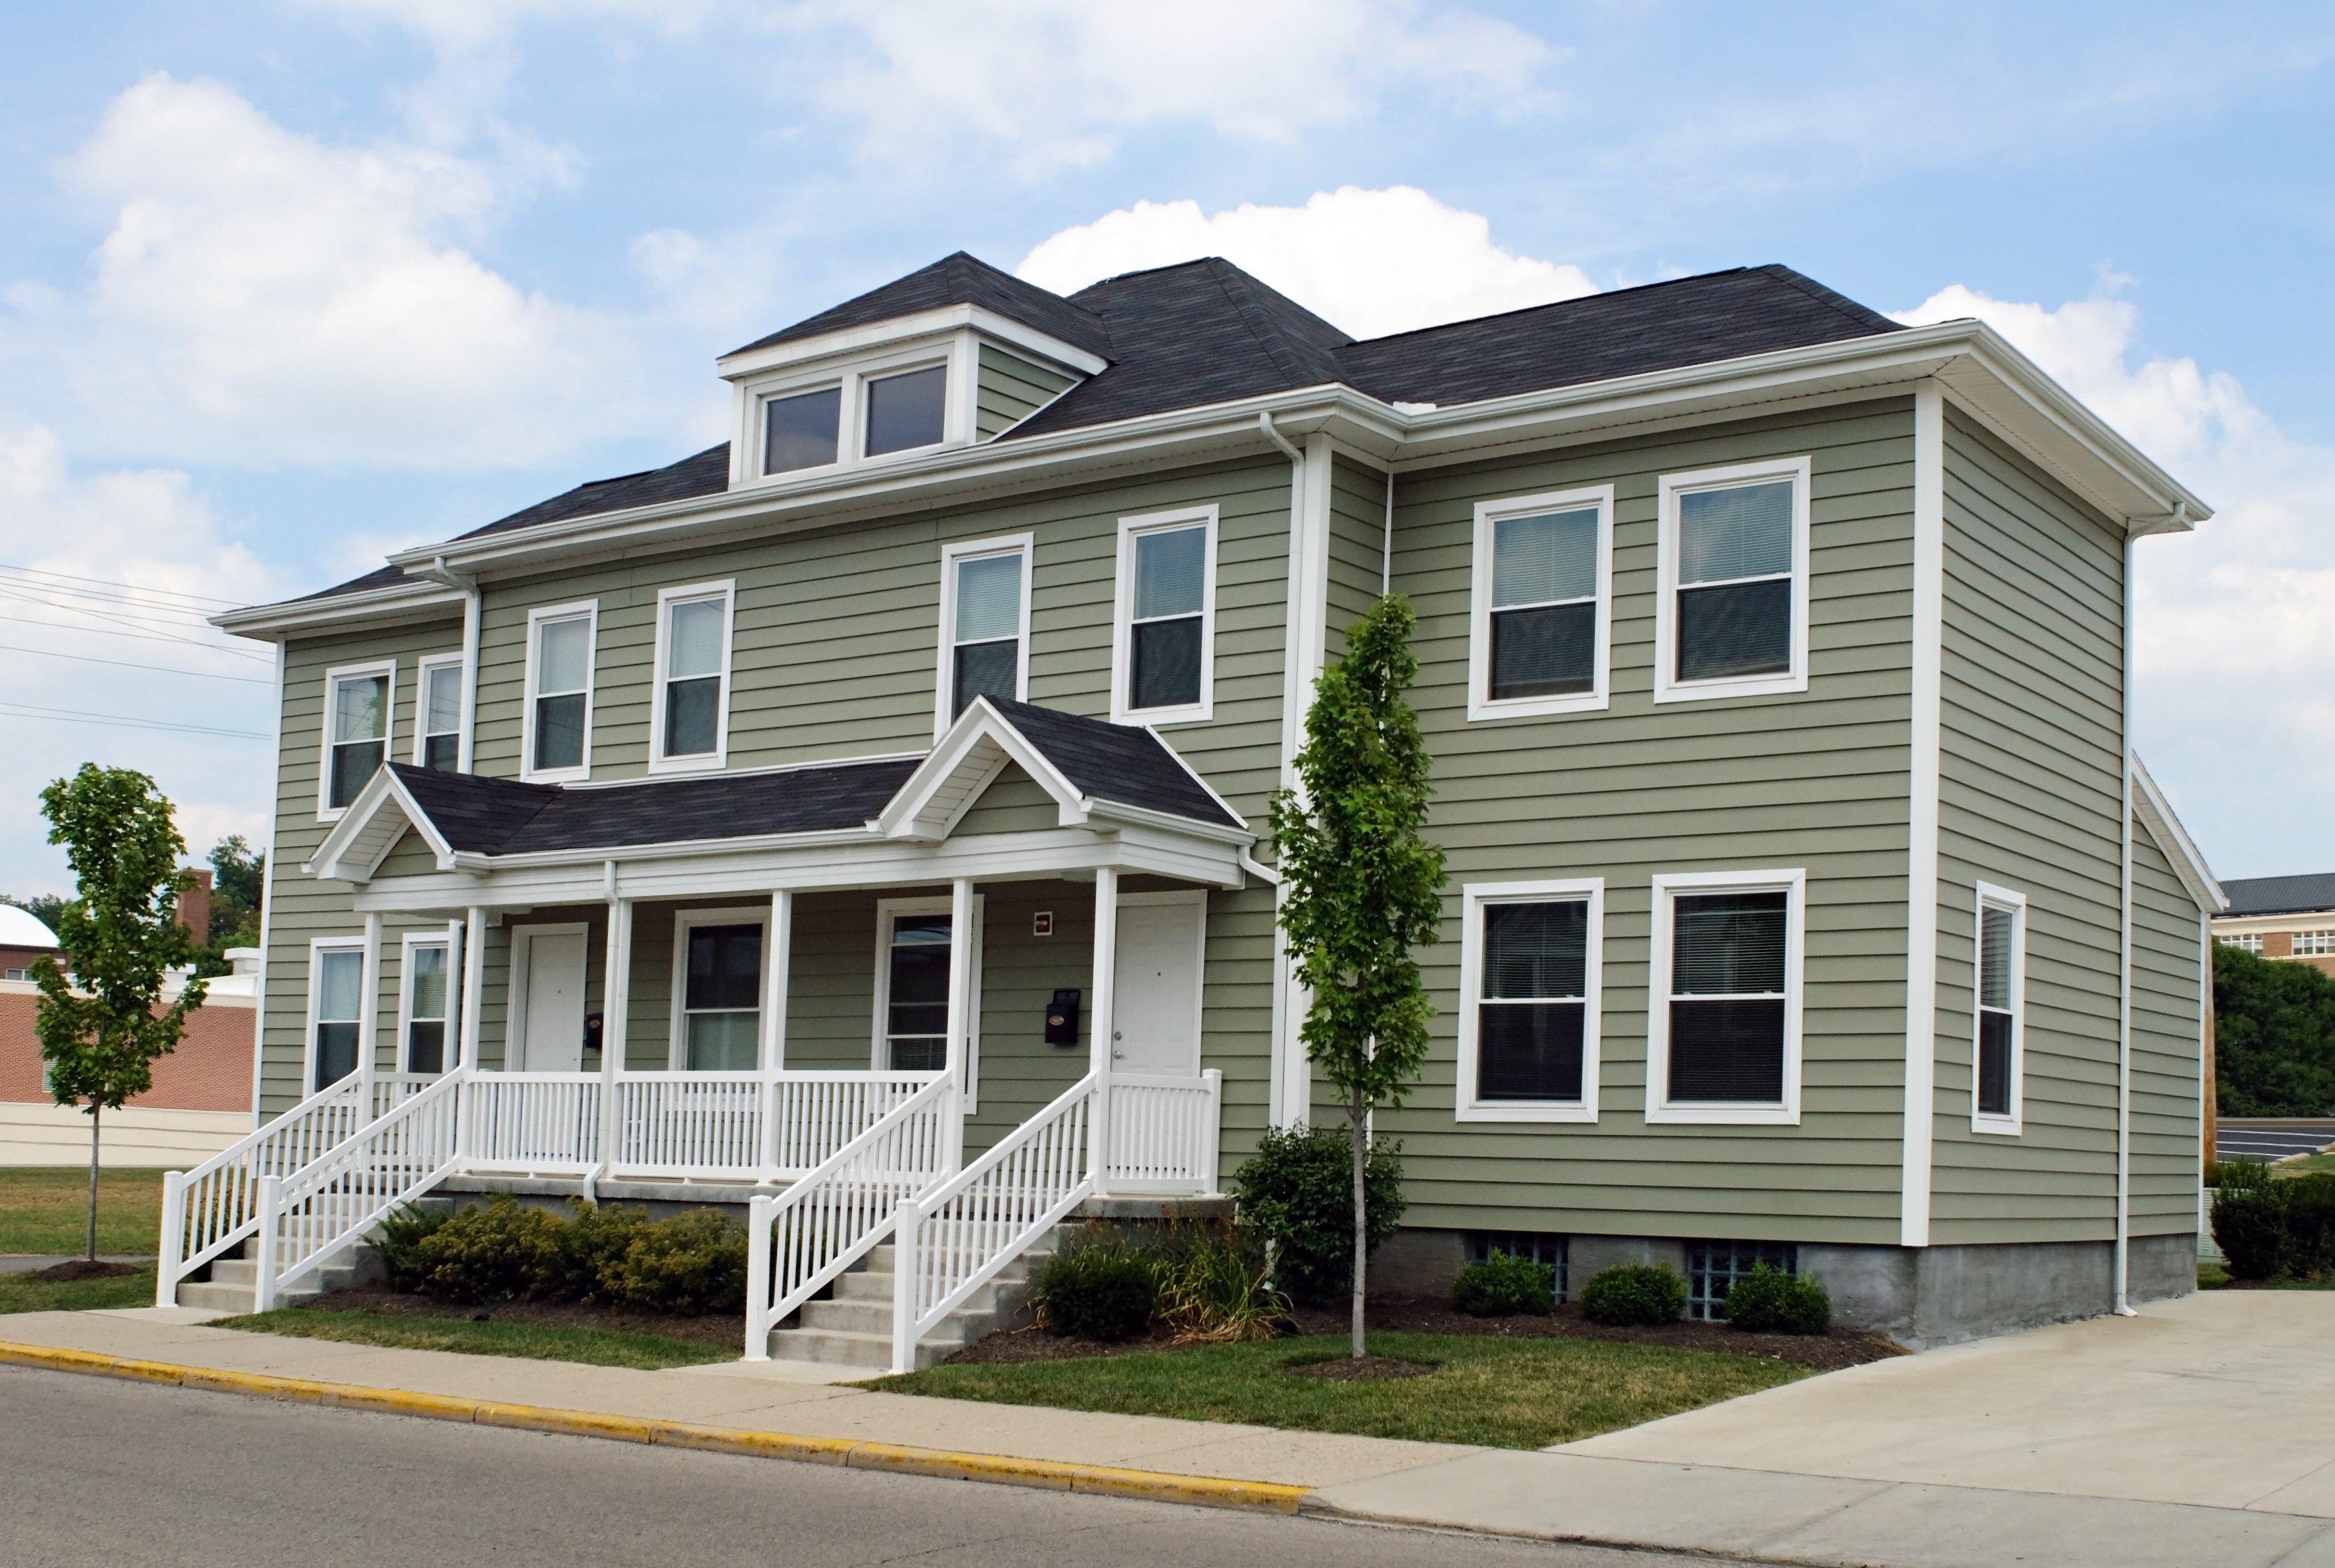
x: 1731, y: 615
x: 800, y: 429
x: 356, y: 731
x: 558, y: 741
x: 692, y: 716
x: 1723, y: 1027
x: 984, y: 623
x: 896, y: 406
x: 2313, y: 943
x: 906, y: 410
x: 2249, y: 940
x: 1163, y: 644
x: 438, y: 714
x: 1541, y: 612
x: 1529, y: 961
x: 1996, y: 1067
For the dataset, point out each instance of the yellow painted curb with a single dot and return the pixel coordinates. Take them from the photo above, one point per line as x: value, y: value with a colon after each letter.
x: 998, y: 1468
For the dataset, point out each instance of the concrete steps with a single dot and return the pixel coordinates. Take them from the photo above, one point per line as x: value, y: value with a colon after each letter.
x: 853, y: 1327
x: 234, y: 1284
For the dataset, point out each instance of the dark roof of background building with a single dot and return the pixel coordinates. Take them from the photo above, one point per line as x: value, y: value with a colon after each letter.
x: 2280, y: 895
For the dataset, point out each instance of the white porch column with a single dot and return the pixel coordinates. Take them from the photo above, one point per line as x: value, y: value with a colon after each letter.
x: 616, y: 1004
x: 474, y: 985
x: 369, y: 1008
x: 772, y: 1055
x: 1100, y: 1034
x: 961, y: 938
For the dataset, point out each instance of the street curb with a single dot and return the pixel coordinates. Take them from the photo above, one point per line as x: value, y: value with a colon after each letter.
x: 1210, y: 1491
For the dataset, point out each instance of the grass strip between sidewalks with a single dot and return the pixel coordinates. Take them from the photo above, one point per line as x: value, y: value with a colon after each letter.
x: 527, y: 1341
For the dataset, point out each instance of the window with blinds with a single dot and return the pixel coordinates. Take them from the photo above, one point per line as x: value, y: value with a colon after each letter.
x: 1167, y: 605
x: 440, y: 743
x: 694, y: 658
x: 356, y: 732
x: 429, y: 1005
x: 1729, y: 957
x: 1544, y: 614
x: 1531, y: 1007
x: 336, y: 1011
x: 1734, y: 582
x: 984, y: 626
x: 1999, y: 1002
x: 916, y: 993
x: 722, y: 996
x: 559, y: 705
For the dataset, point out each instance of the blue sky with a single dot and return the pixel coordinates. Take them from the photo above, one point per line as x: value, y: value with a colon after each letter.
x: 284, y: 285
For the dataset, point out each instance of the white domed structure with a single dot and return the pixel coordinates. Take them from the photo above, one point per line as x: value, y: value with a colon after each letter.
x: 18, y: 928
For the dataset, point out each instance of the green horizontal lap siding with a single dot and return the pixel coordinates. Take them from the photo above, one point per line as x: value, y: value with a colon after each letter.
x: 2167, y: 1044
x: 1013, y: 803
x: 1009, y: 389
x: 1357, y: 545
x: 1816, y: 780
x: 2029, y: 793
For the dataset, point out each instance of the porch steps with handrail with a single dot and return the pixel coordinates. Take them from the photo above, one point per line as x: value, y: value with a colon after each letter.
x: 234, y: 1284
x: 853, y: 1327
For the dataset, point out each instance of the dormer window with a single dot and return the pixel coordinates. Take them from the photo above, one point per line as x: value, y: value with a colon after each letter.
x: 907, y: 411
x: 799, y: 431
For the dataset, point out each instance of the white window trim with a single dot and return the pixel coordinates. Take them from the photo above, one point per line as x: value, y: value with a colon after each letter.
x: 957, y: 351
x: 1667, y: 688
x: 414, y: 939
x: 2012, y: 1125
x: 677, y: 1029
x: 1122, y: 619
x: 726, y: 591
x: 1481, y: 704
x: 421, y: 671
x: 1026, y: 544
x: 325, y: 811
x: 589, y: 609
x: 1667, y: 887
x: 1475, y: 897
x: 317, y: 947
x: 887, y: 912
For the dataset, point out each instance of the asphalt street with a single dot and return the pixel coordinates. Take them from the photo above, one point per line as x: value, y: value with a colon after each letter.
x: 96, y: 1471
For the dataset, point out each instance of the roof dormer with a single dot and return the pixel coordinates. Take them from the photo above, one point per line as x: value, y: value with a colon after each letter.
x: 951, y: 355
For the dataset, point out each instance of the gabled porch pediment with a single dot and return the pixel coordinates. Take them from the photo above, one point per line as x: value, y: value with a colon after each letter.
x: 383, y: 813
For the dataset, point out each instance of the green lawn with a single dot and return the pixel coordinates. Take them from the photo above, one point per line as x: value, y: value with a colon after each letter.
x: 2304, y: 1165
x: 1501, y: 1392
x: 22, y: 1293
x: 530, y: 1341
x: 45, y: 1209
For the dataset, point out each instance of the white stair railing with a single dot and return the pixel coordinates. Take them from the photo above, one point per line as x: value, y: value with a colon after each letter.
x: 1162, y: 1133
x: 541, y: 1123
x: 950, y: 1243
x: 210, y: 1208
x: 307, y: 1220
x: 806, y: 1236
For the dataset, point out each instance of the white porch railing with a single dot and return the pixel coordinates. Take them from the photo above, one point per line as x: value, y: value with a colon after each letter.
x: 801, y: 1240
x: 215, y: 1206
x: 541, y: 1123
x: 752, y: 1126
x: 392, y: 1090
x: 1162, y: 1133
x: 950, y: 1243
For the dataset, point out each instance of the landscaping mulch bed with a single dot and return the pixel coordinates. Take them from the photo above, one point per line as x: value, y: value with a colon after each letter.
x: 726, y: 1330
x: 84, y: 1269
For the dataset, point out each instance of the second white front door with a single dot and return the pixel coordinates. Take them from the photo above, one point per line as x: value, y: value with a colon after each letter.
x: 551, y: 1036
x: 1157, y: 1029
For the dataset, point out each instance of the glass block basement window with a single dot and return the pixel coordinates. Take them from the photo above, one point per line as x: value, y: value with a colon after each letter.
x: 1713, y: 1267
x: 1537, y: 1245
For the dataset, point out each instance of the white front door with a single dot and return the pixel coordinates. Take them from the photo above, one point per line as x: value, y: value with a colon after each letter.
x: 551, y: 1030
x: 1157, y: 1029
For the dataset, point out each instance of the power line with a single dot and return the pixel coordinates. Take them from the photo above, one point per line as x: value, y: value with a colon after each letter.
x: 127, y: 611
x: 110, y: 582
x: 130, y: 600
x: 122, y: 621
x: 139, y: 637
x: 126, y: 665
x: 72, y: 716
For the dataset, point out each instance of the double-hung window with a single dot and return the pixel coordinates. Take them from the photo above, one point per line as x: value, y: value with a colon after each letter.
x: 913, y: 943
x: 559, y: 691
x: 1541, y: 607
x: 692, y: 720
x: 720, y: 993
x: 1723, y: 1025
x: 1731, y: 613
x: 1163, y: 663
x: 984, y: 625
x: 336, y: 980
x: 1528, y: 1016
x: 356, y: 731
x: 428, y: 1010
x: 438, y: 714
x: 1996, y: 1065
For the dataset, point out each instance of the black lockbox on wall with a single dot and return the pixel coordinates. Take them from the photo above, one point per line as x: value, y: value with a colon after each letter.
x: 1062, y: 1019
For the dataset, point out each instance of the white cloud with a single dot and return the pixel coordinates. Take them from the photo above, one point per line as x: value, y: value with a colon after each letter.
x: 2236, y: 621
x: 1371, y: 261
x: 262, y: 297
x: 468, y: 25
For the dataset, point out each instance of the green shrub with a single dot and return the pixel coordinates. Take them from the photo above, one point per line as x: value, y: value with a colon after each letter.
x: 1216, y: 1286
x: 2249, y: 1221
x: 595, y: 1242
x: 1097, y: 1290
x: 398, y: 1244
x: 1630, y: 1294
x: 1503, y: 1285
x: 690, y: 1265
x: 1768, y: 1300
x: 2310, y: 1224
x: 1298, y: 1190
x: 498, y: 1251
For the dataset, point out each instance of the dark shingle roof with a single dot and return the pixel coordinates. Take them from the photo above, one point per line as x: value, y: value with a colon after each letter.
x: 2280, y: 895
x: 1117, y: 762
x: 705, y: 473
x: 956, y: 279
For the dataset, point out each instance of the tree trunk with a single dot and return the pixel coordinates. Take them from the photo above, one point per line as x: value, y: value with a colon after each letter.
x: 96, y: 1108
x: 1359, y: 1135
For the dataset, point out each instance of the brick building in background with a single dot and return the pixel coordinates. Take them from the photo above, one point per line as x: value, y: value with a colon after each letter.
x: 2291, y: 917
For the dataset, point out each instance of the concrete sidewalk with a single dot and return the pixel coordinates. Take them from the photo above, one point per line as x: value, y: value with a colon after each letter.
x: 1760, y: 1500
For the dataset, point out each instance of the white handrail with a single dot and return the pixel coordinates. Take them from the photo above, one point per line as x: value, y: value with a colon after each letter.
x: 210, y: 1208
x: 950, y: 1243
x: 806, y: 1236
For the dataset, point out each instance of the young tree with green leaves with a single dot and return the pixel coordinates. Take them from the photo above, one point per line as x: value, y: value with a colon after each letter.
x: 101, y: 1021
x: 1360, y: 886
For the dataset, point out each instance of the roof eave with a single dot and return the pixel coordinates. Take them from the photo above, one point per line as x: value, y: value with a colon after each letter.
x: 741, y: 363
x: 2155, y: 813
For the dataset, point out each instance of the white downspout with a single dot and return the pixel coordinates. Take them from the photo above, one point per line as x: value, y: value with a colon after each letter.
x: 1386, y: 551
x: 438, y: 571
x: 2124, y: 978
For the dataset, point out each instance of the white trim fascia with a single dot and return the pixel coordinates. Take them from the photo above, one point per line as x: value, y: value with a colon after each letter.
x: 589, y: 609
x: 318, y: 945
x: 765, y: 768
x: 1667, y: 886
x: 383, y: 790
x: 521, y: 970
x: 2013, y: 1124
x: 954, y: 351
x: 1481, y: 705
x: 1667, y: 687
x: 1473, y: 898
x: 406, y: 944
x: 1026, y: 546
x: 1093, y: 810
x: 1122, y: 618
x: 325, y: 811
x: 958, y: 747
x: 2155, y: 813
x: 422, y: 668
x: 677, y: 1025
x: 726, y: 590
x: 887, y: 910
x: 899, y: 329
x: 414, y: 599
x: 268, y: 873
x: 1925, y: 763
